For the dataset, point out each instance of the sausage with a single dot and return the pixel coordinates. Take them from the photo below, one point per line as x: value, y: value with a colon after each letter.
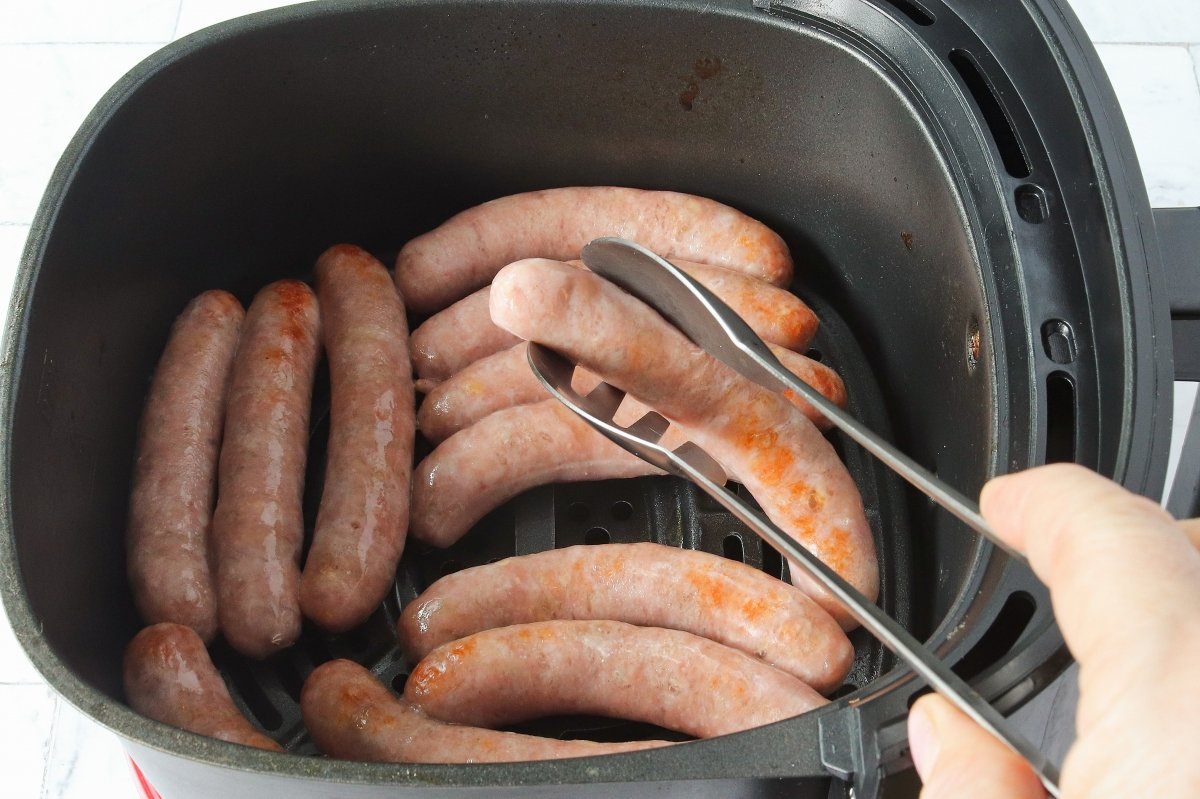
x: 763, y: 439
x: 363, y: 515
x: 512, y: 450
x: 647, y: 584
x: 508, y: 451
x: 175, y: 473
x: 457, y: 336
x: 465, y: 252
x: 258, y: 528
x: 463, y: 333
x: 671, y: 678
x: 505, y: 379
x: 351, y: 715
x: 169, y: 678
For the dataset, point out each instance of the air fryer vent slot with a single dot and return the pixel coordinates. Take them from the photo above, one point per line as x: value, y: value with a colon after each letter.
x: 1012, y: 154
x: 1060, y: 418
x: 732, y: 548
x: 1000, y: 637
x: 913, y: 11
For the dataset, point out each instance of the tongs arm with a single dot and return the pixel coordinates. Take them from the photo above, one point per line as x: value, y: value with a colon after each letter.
x: 692, y: 463
x: 717, y: 329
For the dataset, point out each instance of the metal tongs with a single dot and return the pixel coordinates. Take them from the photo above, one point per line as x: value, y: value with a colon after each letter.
x: 711, y: 324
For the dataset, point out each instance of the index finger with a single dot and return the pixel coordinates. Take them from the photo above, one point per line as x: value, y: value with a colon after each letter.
x: 1123, y: 576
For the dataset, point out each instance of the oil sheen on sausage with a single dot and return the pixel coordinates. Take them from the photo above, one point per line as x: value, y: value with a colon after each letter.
x: 258, y: 527
x: 761, y: 437
x: 175, y: 474
x: 463, y: 333
x: 671, y: 678
x: 170, y: 678
x: 505, y: 379
x: 363, y: 516
x: 449, y: 262
x: 351, y: 715
x: 647, y: 584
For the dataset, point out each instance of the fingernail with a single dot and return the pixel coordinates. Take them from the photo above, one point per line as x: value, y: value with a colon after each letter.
x: 922, y: 740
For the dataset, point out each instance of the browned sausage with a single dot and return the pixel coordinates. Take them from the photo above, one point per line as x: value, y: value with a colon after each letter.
x: 761, y: 437
x: 169, y: 678
x: 258, y: 528
x: 463, y: 254
x: 505, y: 379
x: 175, y: 474
x: 646, y: 584
x: 351, y: 715
x: 363, y: 517
x: 463, y: 333
x: 671, y: 678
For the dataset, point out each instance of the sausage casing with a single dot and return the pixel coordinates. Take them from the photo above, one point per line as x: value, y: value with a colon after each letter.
x: 671, y: 678
x: 258, y: 526
x: 363, y: 515
x: 175, y: 474
x: 463, y: 254
x: 645, y: 584
x: 170, y: 678
x: 452, y: 339
x: 351, y: 715
x: 505, y: 379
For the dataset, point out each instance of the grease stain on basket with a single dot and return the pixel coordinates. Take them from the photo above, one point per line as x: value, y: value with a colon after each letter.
x: 703, y: 69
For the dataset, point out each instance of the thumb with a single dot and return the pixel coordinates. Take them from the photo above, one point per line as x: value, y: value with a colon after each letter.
x: 956, y: 758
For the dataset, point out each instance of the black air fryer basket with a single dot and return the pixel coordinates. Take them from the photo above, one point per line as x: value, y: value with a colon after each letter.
x: 955, y: 182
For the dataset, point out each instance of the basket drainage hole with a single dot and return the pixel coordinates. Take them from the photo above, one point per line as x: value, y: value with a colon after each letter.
x: 578, y: 511
x: 596, y: 535
x: 732, y: 548
x: 398, y: 682
x: 622, y: 511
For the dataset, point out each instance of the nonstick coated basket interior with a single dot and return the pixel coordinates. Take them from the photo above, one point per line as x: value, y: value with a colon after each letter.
x: 860, y: 132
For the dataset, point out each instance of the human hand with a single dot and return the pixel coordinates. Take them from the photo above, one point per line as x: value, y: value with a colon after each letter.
x: 1124, y: 579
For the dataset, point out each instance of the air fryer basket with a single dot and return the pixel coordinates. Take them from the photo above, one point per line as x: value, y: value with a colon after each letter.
x: 966, y: 215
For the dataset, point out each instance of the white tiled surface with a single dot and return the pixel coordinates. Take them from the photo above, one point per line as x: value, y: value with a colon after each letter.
x: 58, y: 56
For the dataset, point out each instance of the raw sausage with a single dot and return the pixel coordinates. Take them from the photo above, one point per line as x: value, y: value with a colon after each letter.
x: 647, y: 584
x: 451, y: 261
x: 505, y: 379
x: 763, y: 439
x: 169, y: 678
x: 671, y: 678
x: 463, y: 333
x: 351, y: 715
x: 518, y: 447
x: 457, y: 336
x: 511, y: 450
x: 363, y: 516
x: 175, y: 474
x: 258, y: 528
